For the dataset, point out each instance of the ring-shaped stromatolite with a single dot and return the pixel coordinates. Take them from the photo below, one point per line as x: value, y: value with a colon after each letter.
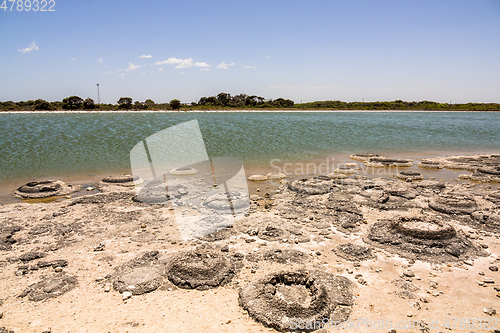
x: 422, y: 237
x: 154, y: 192
x: 139, y: 275
x: 275, y: 175
x: 454, y: 203
x: 494, y: 197
x: 378, y: 162
x: 347, y: 222
x: 490, y: 170
x: 489, y: 220
x: 200, y: 269
x: 353, y: 252
x: 471, y: 163
x: 486, y: 174
x: 280, y: 299
x: 312, y: 186
x: 258, y: 178
x: 219, y: 203
x: 45, y: 189
x: 138, y: 280
x: 183, y: 171
x: 345, y: 170
x: 337, y: 176
x: 409, y: 176
x: 122, y: 180
x: 363, y: 157
x: 417, y: 228
x: 403, y: 190
x: 426, y: 164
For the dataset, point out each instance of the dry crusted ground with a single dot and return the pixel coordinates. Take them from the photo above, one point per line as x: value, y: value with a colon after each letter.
x: 412, y: 250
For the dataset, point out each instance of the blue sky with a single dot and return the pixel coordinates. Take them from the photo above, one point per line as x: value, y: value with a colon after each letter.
x: 441, y: 50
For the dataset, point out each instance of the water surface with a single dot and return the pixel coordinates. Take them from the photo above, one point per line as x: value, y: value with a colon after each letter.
x: 63, y: 144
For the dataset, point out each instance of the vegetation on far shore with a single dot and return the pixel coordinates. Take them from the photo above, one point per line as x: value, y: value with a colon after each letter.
x: 225, y: 101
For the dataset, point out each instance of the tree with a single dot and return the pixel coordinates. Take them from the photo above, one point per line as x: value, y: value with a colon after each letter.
x: 140, y: 105
x: 211, y: 100
x: 150, y: 103
x: 224, y: 98
x: 282, y: 103
x: 239, y: 100
x: 175, y: 104
x: 88, y: 104
x: 41, y: 104
x: 125, y: 103
x: 72, y: 103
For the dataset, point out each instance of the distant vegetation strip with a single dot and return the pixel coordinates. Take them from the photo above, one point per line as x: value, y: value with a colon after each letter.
x: 225, y: 101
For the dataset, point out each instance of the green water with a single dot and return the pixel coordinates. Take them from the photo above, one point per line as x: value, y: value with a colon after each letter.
x: 38, y: 145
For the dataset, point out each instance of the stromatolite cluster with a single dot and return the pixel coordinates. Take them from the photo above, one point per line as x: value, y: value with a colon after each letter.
x: 312, y: 186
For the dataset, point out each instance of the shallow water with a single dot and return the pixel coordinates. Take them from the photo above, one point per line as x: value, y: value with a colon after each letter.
x: 65, y: 145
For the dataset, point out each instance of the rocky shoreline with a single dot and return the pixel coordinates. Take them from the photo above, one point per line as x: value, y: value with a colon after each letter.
x: 342, y: 247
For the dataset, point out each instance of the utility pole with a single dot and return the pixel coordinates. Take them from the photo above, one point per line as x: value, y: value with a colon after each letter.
x: 98, y: 95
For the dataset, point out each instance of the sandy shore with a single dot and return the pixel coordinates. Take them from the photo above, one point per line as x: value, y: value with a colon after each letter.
x: 420, y: 252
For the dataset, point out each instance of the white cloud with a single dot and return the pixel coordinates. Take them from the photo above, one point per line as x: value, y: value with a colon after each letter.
x: 201, y: 64
x: 185, y: 63
x: 161, y: 69
x: 152, y: 72
x: 144, y: 56
x: 132, y: 67
x: 74, y: 59
x: 182, y: 63
x: 100, y: 60
x: 169, y: 61
x: 205, y: 69
x: 223, y: 65
x: 249, y: 67
x: 32, y: 47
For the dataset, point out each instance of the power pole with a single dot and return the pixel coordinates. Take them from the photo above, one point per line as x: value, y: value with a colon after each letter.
x: 98, y: 95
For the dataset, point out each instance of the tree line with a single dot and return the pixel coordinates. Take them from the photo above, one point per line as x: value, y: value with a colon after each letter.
x: 242, y: 101
x: 398, y: 105
x: 225, y: 100
x: 78, y: 103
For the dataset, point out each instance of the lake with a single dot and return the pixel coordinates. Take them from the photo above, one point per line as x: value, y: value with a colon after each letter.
x: 34, y: 146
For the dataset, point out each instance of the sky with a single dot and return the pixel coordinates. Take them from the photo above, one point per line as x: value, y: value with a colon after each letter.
x: 439, y: 50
